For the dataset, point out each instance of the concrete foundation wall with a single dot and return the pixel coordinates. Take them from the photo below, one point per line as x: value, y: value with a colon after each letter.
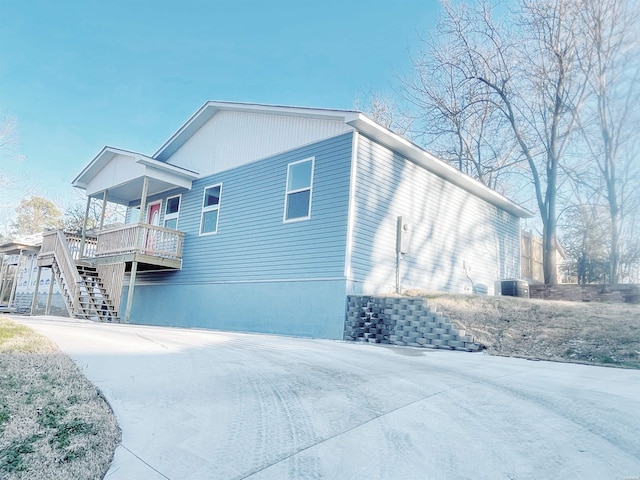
x: 304, y: 308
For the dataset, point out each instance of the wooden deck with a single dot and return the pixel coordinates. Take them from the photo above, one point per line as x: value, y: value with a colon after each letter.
x: 153, y: 247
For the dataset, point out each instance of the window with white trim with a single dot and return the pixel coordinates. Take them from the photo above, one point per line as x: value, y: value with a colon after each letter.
x: 133, y: 215
x: 297, y: 205
x: 210, y: 209
x: 171, y: 211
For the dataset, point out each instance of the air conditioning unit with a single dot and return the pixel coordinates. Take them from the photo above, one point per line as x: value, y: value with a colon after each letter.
x: 514, y: 288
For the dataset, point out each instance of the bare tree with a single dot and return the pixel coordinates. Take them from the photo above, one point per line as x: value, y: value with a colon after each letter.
x: 385, y: 111
x: 519, y: 72
x: 453, y: 118
x: 75, y: 213
x: 609, y: 59
x: 585, y: 241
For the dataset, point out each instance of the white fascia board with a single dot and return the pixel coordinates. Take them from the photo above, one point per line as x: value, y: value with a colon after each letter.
x: 167, y: 168
x: 79, y: 181
x: 168, y: 178
x: 434, y: 165
x: 199, y: 118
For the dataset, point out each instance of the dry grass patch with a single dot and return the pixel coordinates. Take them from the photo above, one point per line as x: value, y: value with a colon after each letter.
x: 595, y: 333
x: 54, y: 424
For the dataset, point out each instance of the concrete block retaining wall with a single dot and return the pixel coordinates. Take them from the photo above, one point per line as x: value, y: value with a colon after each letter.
x: 402, y: 321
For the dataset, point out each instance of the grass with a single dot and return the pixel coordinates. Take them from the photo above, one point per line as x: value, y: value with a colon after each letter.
x: 593, y: 333
x: 53, y: 423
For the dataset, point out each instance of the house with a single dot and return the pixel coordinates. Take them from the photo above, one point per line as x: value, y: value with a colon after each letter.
x: 18, y: 268
x: 264, y: 218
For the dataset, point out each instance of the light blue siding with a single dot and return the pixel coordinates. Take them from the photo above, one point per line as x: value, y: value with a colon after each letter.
x: 252, y: 242
x: 449, y: 228
x: 258, y: 273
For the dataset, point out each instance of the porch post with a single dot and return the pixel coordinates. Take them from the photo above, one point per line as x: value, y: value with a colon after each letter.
x: 84, y: 226
x: 12, y: 295
x: 34, y: 302
x: 5, y: 282
x: 2, y: 258
x: 47, y: 310
x: 143, y: 200
x: 132, y: 283
x: 104, y: 208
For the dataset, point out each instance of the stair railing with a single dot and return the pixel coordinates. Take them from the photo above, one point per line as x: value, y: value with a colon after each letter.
x: 55, y: 242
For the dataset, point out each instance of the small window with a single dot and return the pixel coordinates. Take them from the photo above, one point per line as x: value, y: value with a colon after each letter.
x: 171, y: 211
x: 299, y: 184
x: 134, y: 215
x: 210, y: 209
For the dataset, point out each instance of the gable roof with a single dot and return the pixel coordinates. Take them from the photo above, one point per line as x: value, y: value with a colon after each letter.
x: 360, y: 123
x: 354, y: 119
x: 162, y: 176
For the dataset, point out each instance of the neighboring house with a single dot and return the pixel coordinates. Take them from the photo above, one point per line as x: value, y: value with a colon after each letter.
x: 264, y: 218
x: 18, y: 270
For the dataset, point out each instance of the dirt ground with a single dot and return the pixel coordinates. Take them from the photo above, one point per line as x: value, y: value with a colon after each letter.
x: 593, y: 333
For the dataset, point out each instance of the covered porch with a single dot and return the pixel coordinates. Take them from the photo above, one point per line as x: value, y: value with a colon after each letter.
x: 142, y: 244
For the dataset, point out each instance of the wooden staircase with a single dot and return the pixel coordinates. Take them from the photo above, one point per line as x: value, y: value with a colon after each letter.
x: 94, y: 302
x: 84, y: 292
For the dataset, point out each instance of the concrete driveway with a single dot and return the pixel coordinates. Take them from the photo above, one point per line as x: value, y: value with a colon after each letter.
x: 196, y: 404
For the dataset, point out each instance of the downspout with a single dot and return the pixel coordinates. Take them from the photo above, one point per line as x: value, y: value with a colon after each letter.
x: 399, y: 241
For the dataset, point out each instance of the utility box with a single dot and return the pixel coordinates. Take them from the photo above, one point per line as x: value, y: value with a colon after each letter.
x: 514, y: 288
x: 403, y: 235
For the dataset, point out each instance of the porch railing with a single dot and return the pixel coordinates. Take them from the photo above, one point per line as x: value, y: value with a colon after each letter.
x: 140, y: 238
x: 74, y: 242
x: 54, y: 245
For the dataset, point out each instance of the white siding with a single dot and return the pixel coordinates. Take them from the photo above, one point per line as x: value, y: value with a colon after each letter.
x: 120, y: 169
x: 449, y: 227
x: 231, y: 139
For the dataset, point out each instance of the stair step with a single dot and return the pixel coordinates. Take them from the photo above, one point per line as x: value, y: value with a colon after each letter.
x: 92, y: 301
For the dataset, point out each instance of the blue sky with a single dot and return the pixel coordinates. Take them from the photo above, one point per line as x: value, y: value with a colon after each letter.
x: 78, y: 75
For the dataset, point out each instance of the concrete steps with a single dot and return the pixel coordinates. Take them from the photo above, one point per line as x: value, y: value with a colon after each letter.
x: 402, y: 321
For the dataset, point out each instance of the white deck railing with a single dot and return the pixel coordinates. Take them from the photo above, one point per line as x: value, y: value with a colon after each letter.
x: 54, y: 244
x: 74, y: 242
x: 140, y: 238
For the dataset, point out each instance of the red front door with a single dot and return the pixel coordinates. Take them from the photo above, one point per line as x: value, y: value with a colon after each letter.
x: 153, y: 218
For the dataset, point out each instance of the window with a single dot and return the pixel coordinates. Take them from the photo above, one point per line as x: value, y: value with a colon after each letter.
x: 171, y: 211
x: 298, y: 198
x: 210, y: 209
x: 133, y: 215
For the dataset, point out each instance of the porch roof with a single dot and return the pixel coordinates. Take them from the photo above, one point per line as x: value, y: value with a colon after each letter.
x: 121, y: 173
x: 28, y: 243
